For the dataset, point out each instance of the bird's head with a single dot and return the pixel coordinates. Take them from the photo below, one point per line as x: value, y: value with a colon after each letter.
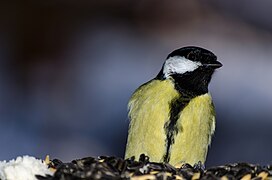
x: 189, y: 59
x: 190, y: 67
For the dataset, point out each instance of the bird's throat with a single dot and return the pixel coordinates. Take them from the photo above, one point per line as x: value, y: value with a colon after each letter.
x: 192, y: 84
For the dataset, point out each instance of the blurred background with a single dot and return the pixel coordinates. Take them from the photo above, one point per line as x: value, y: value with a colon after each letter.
x: 68, y: 68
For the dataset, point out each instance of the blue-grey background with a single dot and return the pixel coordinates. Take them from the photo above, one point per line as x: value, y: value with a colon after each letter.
x: 68, y: 68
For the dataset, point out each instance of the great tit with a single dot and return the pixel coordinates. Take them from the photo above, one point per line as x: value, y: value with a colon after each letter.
x: 172, y: 116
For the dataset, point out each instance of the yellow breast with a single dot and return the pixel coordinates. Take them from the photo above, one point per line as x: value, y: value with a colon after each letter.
x: 149, y: 109
x: 197, y: 124
x: 148, y: 112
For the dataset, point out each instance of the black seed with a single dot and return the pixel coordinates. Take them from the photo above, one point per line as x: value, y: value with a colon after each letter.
x: 108, y: 167
x: 209, y: 176
x: 143, y: 158
x: 55, y: 163
x: 199, y: 167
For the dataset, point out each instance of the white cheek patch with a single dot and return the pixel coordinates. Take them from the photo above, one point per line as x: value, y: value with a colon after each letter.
x: 179, y: 65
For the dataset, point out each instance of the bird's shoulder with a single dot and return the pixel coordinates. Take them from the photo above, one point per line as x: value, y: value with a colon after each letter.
x: 153, y: 91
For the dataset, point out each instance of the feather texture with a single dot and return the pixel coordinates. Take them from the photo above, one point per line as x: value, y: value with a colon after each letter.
x: 149, y: 112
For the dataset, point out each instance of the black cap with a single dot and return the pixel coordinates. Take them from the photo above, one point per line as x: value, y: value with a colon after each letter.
x: 199, y: 54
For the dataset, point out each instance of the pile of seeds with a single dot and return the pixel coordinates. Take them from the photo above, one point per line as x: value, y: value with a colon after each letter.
x: 117, y: 168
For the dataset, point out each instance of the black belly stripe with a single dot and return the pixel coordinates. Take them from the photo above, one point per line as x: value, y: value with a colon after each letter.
x: 170, y: 127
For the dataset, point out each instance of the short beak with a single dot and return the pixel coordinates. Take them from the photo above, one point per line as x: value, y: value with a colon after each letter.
x: 214, y: 65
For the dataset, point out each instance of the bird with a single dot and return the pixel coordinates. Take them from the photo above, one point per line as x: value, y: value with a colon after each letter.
x: 172, y: 116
